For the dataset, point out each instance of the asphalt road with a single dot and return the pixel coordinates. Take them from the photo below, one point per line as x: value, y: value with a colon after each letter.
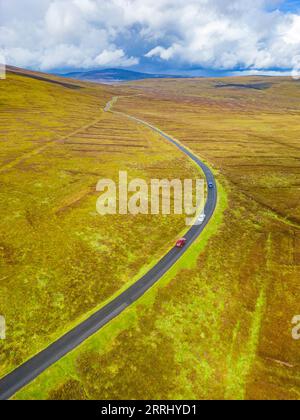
x: 29, y: 370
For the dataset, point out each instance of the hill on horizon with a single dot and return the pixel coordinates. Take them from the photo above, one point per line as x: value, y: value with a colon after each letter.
x: 116, y: 76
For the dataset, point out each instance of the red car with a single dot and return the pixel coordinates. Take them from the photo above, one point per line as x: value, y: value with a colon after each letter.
x: 180, y: 243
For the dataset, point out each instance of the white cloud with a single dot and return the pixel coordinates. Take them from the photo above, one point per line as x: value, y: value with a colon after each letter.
x: 219, y: 34
x: 292, y: 35
x: 233, y: 34
x: 164, y: 53
x: 114, y: 57
x: 49, y: 34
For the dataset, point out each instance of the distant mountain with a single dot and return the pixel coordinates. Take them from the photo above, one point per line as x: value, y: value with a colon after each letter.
x: 115, y: 76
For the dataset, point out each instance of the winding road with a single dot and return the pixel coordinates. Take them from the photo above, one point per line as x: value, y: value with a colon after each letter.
x: 31, y: 369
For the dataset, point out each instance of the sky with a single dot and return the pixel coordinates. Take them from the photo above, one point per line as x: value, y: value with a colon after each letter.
x: 177, y: 36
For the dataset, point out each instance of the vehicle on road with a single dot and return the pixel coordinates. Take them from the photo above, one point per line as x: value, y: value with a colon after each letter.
x: 201, y: 219
x: 33, y: 367
x: 181, y: 243
x: 211, y: 185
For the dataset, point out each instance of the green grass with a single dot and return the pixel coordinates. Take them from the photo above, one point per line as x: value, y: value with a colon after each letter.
x: 218, y: 326
x: 222, y: 328
x: 59, y: 260
x: 65, y: 369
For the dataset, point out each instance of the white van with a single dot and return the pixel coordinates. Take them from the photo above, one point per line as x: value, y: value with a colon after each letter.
x: 201, y: 219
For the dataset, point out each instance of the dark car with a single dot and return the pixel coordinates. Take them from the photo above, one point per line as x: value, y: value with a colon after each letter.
x: 211, y: 185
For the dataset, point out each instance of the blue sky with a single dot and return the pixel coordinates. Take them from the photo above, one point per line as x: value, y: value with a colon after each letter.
x: 168, y: 36
x: 290, y: 6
